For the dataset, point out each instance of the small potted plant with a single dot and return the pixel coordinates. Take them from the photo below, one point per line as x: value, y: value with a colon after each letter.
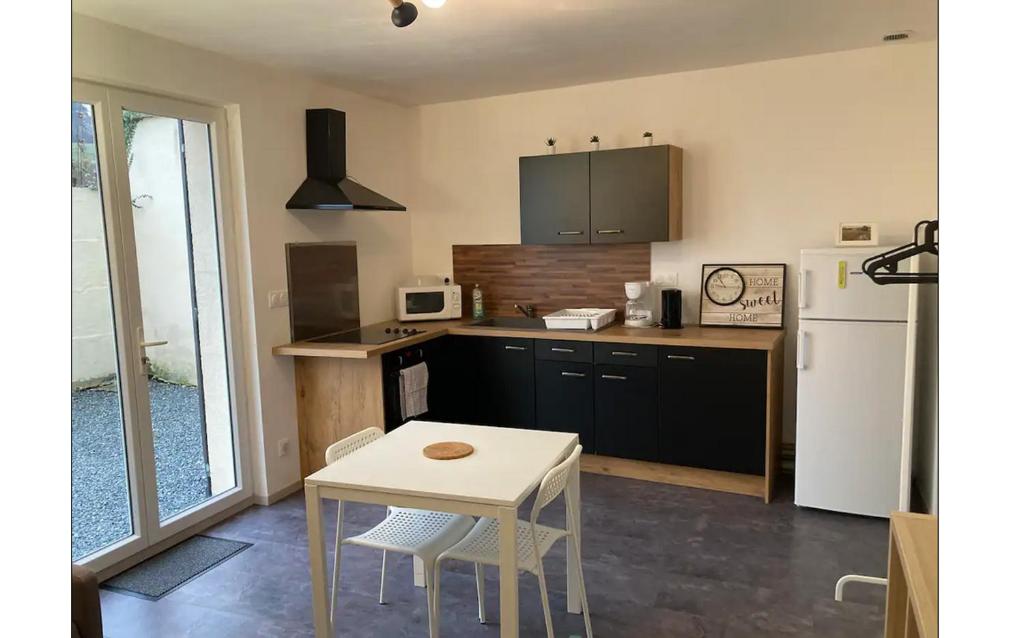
x: 648, y: 138
x: 595, y: 143
x: 550, y: 144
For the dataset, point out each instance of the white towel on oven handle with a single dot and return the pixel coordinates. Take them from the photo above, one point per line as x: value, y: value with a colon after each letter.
x: 412, y: 388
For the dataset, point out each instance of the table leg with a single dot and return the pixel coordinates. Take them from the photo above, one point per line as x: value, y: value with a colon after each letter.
x: 318, y: 568
x: 508, y: 566
x: 572, y: 517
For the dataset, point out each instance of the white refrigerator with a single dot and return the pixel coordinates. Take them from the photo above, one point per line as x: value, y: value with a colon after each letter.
x: 851, y: 377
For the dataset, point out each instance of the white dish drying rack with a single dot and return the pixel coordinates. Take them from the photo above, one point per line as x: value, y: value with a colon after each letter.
x: 579, y: 318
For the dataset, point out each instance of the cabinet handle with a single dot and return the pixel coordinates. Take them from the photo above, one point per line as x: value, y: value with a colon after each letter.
x: 684, y: 357
x: 573, y: 374
x: 570, y: 232
x: 610, y: 231
x: 614, y: 377
x: 515, y: 347
x: 563, y: 350
x: 623, y: 353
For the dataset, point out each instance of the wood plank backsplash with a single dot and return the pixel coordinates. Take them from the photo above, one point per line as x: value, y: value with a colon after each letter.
x: 549, y: 277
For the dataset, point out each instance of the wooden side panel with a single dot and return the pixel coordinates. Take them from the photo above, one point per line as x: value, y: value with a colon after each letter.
x: 773, y: 414
x: 336, y: 398
x: 897, y: 599
x: 549, y: 277
x: 675, y: 193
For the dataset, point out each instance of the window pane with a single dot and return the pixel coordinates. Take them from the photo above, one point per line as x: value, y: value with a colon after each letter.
x: 100, y: 500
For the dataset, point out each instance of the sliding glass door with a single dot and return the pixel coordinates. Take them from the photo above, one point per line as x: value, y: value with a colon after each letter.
x: 157, y: 442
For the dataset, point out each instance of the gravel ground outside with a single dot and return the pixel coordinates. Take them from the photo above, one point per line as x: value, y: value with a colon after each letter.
x: 100, y: 512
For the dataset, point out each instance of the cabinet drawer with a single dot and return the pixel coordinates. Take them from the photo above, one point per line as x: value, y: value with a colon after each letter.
x: 499, y: 346
x: 626, y: 354
x: 551, y: 350
x: 686, y: 355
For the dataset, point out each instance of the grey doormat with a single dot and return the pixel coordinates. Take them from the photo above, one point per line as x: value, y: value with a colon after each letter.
x: 158, y: 576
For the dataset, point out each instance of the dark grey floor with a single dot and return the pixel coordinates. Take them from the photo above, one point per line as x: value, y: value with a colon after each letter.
x: 100, y: 513
x: 659, y: 561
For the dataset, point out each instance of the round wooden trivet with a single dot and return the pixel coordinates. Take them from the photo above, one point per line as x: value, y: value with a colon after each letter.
x: 447, y: 450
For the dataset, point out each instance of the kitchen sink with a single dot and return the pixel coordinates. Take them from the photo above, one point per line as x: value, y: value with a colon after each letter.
x: 518, y: 323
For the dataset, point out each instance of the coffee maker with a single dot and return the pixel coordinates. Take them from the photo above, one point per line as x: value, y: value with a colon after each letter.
x: 639, y: 313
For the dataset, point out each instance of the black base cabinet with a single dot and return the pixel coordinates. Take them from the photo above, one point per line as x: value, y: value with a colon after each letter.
x: 565, y: 399
x: 626, y: 411
x: 505, y: 382
x: 712, y: 408
x: 698, y: 407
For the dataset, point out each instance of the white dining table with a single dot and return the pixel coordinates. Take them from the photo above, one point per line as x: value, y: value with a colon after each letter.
x: 506, y: 466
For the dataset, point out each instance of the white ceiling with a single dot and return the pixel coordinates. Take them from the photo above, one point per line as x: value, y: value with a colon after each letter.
x: 476, y: 48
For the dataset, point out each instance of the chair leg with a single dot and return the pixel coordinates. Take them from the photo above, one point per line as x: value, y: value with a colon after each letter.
x: 383, y: 574
x: 429, y: 576
x: 583, y: 588
x: 482, y: 608
x: 544, y: 599
x: 337, y: 559
x: 436, y: 602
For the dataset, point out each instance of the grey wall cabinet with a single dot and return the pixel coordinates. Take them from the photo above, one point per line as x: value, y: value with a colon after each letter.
x: 554, y: 199
x: 630, y: 195
x: 635, y: 195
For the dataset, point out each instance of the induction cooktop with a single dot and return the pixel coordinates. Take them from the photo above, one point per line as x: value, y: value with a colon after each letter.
x: 369, y: 336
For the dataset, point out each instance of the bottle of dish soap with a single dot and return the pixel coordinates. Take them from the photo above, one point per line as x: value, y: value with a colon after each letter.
x: 478, y: 302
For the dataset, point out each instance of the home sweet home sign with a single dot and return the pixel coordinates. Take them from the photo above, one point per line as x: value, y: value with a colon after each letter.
x: 743, y: 295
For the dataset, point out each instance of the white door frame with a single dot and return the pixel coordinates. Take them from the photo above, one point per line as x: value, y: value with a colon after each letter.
x: 112, y: 100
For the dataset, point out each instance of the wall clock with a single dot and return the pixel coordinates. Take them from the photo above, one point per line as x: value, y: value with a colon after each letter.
x: 743, y: 295
x: 724, y: 286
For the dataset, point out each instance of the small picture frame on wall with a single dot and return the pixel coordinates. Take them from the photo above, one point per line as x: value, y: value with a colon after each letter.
x: 857, y: 234
x: 743, y: 295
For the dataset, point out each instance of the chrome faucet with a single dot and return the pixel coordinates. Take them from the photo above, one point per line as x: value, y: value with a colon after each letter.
x: 529, y: 311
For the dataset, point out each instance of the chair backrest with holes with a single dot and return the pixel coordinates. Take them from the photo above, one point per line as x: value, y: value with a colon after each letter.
x: 350, y: 444
x: 554, y: 482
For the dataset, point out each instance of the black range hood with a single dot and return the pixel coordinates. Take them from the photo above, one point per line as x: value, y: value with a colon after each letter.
x: 327, y: 185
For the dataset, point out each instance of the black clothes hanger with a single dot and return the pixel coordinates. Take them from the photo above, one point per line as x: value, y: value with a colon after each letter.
x: 883, y: 268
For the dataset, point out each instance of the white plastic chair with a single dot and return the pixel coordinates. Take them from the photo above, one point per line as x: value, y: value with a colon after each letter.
x: 481, y: 545
x: 421, y: 533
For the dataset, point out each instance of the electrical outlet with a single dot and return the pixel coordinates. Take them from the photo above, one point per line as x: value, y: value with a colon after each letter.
x: 282, y: 447
x: 665, y: 279
x: 277, y: 298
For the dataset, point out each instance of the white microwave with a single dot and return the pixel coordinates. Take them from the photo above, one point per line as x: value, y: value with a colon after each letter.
x: 423, y: 303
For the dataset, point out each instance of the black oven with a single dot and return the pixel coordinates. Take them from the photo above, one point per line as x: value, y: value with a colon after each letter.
x: 391, y: 365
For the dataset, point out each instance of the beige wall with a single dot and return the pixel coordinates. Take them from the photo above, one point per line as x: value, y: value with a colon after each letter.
x: 267, y: 120
x: 776, y: 154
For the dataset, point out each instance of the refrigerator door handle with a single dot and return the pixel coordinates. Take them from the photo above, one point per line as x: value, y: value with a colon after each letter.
x: 801, y: 350
x: 801, y: 294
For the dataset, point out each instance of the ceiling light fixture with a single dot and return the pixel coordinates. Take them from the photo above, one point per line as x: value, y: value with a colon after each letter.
x: 403, y: 14
x: 434, y: 4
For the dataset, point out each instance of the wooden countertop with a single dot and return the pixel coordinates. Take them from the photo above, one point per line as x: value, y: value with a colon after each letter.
x: 740, y: 338
x: 917, y: 538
